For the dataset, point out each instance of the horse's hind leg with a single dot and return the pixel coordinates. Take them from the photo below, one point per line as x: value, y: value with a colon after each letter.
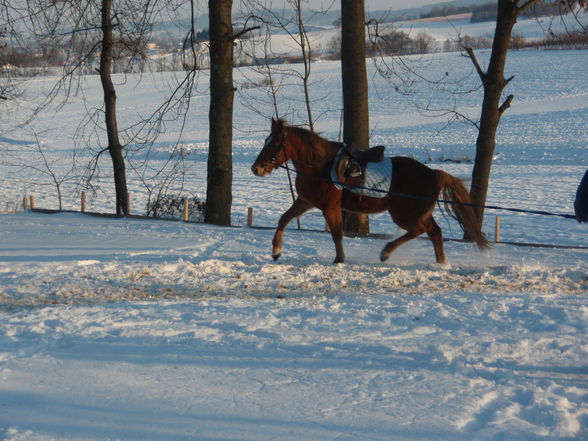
x: 298, y: 208
x: 436, y: 238
x: 391, y: 246
x: 432, y: 230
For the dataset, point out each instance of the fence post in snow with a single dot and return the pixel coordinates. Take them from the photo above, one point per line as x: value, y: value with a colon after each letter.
x: 249, y: 217
x: 25, y: 203
x: 32, y: 202
x: 83, y: 202
x: 497, y: 230
x: 185, y: 201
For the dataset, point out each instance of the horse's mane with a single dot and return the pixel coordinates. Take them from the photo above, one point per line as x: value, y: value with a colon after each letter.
x: 311, y: 138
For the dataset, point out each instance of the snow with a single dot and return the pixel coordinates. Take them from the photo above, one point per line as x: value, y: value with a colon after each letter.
x: 162, y: 330
x: 135, y: 329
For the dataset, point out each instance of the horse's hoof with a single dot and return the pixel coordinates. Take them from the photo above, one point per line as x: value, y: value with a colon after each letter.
x: 384, y: 256
x: 276, y: 256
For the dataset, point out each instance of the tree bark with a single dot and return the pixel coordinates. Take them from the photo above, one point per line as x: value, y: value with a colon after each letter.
x: 355, y: 93
x: 220, y: 163
x: 115, y: 148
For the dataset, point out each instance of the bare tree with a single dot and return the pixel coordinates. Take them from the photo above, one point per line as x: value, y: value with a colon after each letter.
x: 493, y: 82
x: 114, y: 146
x: 168, y: 178
x: 271, y: 82
x: 10, y: 86
x: 76, y: 33
x: 305, y: 48
x: 291, y: 21
x: 423, y: 43
x: 107, y: 37
x: 49, y: 171
x: 3, y: 93
x: 493, y: 106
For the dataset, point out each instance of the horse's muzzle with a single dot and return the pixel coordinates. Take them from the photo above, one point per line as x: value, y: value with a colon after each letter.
x: 259, y: 170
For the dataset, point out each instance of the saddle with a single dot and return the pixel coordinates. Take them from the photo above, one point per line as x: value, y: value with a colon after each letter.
x: 352, y: 165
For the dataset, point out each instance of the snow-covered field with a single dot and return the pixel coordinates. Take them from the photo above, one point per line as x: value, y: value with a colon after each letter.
x: 134, y: 329
x: 540, y: 153
x: 161, y: 330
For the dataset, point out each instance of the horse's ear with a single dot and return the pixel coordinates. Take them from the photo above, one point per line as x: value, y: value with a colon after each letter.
x: 277, y: 124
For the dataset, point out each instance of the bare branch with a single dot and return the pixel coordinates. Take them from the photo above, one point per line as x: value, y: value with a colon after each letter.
x: 474, y: 60
x: 505, y: 105
x: 245, y: 31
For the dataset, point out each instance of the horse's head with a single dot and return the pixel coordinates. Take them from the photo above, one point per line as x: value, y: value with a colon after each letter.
x: 273, y: 154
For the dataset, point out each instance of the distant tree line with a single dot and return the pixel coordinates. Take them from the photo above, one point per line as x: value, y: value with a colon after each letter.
x: 171, y: 52
x: 446, y: 10
x: 488, y: 11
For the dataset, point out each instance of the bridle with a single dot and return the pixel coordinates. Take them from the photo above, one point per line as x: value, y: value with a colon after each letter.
x: 276, y: 150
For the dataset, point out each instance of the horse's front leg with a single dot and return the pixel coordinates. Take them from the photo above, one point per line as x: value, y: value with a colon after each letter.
x: 298, y: 208
x: 334, y: 219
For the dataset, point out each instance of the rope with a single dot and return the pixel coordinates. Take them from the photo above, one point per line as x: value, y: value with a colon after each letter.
x: 406, y: 195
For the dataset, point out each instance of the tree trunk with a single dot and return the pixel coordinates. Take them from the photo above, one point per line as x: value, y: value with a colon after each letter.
x: 114, y: 146
x: 494, y: 83
x: 220, y: 162
x: 355, y: 92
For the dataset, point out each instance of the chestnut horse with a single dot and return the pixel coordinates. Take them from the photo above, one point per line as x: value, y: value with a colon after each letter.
x: 413, y: 193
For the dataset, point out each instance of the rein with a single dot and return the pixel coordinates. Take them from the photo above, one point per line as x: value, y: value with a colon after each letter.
x: 425, y: 198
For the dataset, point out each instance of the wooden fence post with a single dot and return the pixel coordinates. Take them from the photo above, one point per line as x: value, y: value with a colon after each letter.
x: 497, y: 230
x: 32, y: 202
x: 185, y: 200
x: 83, y: 202
x: 249, y: 217
x: 25, y: 203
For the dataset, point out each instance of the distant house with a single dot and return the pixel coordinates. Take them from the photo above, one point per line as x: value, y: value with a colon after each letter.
x: 152, y: 49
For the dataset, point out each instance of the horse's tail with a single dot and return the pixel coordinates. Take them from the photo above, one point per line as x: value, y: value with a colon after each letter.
x: 457, y: 203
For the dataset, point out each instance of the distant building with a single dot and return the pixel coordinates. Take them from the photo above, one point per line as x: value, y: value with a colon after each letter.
x: 152, y: 49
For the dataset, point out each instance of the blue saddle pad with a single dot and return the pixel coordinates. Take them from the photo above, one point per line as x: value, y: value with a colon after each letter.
x: 377, y: 178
